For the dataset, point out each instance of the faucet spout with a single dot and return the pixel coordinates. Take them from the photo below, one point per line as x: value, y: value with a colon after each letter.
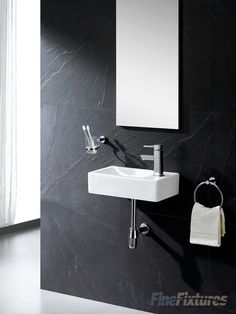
x: 147, y: 157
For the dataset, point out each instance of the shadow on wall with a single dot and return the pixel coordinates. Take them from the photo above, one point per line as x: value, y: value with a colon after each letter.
x: 188, y: 264
x: 127, y: 159
x: 180, y: 206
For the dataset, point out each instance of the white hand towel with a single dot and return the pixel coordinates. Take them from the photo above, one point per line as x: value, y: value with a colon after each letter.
x: 207, y: 225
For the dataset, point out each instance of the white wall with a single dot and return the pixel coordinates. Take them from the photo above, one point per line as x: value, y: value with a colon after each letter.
x: 28, y: 110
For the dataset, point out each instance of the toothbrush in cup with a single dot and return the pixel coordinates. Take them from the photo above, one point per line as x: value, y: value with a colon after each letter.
x: 86, y: 136
x: 91, y: 139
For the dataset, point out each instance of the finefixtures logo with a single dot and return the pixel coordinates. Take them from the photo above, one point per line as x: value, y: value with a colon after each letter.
x: 185, y: 299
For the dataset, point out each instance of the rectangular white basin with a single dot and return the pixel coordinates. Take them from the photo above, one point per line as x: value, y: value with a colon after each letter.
x: 133, y: 183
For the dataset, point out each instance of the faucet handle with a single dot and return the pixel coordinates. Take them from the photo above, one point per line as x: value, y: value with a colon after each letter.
x: 148, y: 146
x: 156, y: 146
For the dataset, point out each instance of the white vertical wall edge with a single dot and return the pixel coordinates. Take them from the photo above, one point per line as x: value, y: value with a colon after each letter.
x: 28, y: 110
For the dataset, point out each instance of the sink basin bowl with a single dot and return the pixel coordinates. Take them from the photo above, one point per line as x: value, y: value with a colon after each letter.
x: 133, y: 183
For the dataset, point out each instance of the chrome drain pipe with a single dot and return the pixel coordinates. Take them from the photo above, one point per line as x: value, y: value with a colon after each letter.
x: 133, y: 230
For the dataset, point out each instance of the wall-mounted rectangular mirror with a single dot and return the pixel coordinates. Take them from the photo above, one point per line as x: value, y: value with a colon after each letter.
x: 147, y: 63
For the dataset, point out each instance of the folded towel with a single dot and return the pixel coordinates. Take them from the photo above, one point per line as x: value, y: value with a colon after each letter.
x: 207, y: 225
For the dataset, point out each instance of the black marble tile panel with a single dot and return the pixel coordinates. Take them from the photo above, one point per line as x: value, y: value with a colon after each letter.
x: 224, y: 57
x: 85, y: 237
x: 223, y: 164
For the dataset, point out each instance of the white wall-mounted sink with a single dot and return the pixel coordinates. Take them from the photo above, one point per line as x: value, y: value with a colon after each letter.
x: 133, y: 183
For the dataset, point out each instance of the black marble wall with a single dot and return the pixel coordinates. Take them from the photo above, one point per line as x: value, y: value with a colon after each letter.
x: 84, y: 237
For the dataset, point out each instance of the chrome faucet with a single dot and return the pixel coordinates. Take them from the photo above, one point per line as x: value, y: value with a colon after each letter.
x: 157, y: 157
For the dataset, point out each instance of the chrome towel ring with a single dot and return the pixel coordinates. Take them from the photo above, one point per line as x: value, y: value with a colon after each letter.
x: 211, y: 181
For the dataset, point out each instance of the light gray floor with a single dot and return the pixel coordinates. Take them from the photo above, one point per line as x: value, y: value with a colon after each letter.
x: 19, y: 282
